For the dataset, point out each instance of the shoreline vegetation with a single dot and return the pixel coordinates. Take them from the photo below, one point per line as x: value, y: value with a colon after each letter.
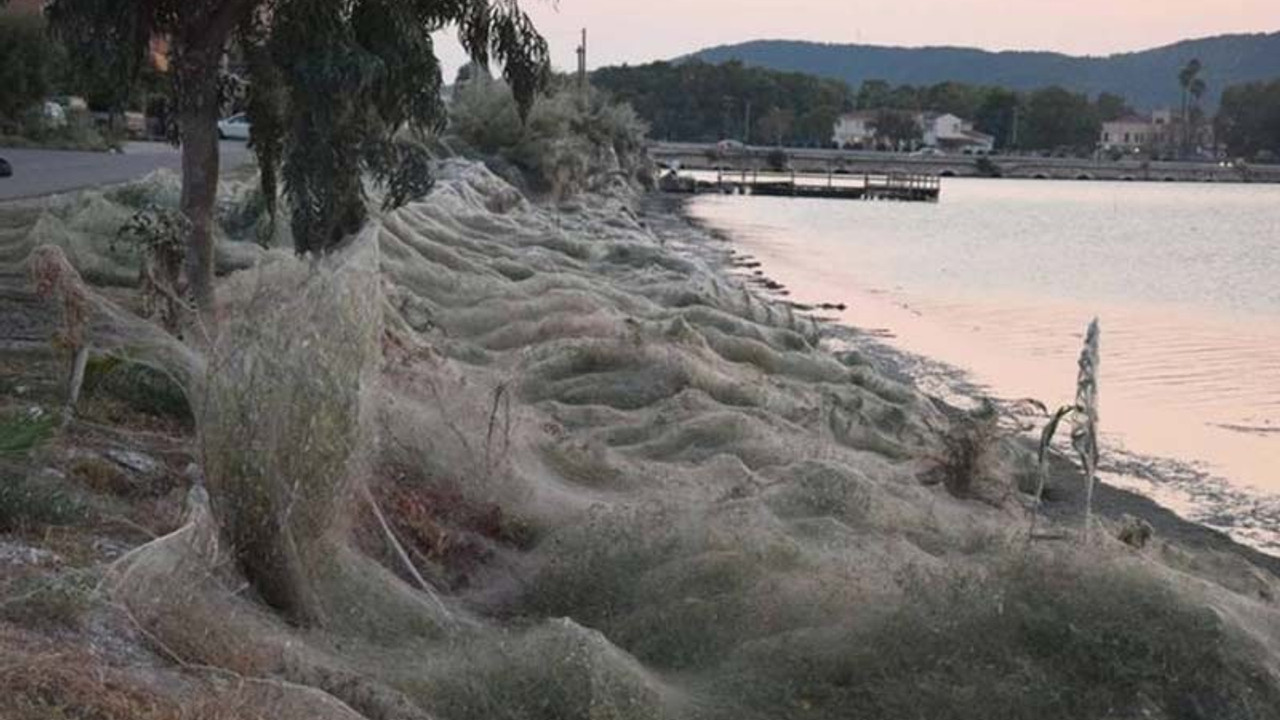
x: 530, y: 448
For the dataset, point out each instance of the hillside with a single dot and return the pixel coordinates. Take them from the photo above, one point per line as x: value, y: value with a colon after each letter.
x: 1147, y: 78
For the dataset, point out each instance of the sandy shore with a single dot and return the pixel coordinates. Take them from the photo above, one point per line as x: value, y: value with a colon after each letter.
x: 1065, y: 495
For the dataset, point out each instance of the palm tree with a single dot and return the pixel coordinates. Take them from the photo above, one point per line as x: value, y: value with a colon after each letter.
x: 1197, y: 90
x: 1192, y: 86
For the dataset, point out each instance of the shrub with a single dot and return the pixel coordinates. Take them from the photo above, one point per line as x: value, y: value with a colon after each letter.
x: 778, y: 159
x: 20, y: 434
x: 160, y: 189
x: 282, y: 419
x: 565, y: 143
x: 28, y: 64
x: 1056, y: 639
x: 485, y: 116
x: 157, y: 235
x: 79, y: 133
x: 987, y: 168
x: 25, y: 502
x: 966, y: 456
x: 101, y: 476
x: 140, y: 387
x: 245, y: 216
x: 57, y: 600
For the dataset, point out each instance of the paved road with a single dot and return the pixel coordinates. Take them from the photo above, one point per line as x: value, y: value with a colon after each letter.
x: 47, y: 172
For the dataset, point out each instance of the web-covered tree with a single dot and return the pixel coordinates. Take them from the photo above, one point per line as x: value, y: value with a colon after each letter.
x: 332, y: 83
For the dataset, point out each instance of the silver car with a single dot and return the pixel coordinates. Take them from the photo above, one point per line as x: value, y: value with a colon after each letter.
x: 235, y: 127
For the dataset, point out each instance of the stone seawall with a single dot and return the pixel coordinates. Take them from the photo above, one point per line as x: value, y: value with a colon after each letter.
x: 706, y: 157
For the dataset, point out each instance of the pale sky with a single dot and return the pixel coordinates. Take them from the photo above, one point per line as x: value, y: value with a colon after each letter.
x: 639, y: 31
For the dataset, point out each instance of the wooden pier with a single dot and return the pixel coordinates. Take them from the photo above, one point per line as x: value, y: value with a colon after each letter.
x: 869, y: 186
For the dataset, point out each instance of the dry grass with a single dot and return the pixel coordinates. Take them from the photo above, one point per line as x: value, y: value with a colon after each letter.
x: 44, y: 680
x: 54, y: 685
x: 74, y: 684
x: 101, y: 476
x: 442, y: 530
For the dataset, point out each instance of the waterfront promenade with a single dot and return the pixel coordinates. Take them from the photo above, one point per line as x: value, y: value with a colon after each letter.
x: 698, y: 156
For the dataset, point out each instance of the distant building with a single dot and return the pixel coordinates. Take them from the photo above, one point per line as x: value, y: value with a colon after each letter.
x: 1134, y: 133
x: 1159, y: 134
x: 943, y: 131
x: 951, y: 133
x: 855, y: 130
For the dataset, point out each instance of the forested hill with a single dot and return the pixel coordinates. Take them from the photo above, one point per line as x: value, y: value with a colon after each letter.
x: 1148, y: 79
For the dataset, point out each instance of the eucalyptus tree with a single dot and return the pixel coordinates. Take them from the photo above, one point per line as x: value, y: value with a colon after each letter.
x: 331, y: 84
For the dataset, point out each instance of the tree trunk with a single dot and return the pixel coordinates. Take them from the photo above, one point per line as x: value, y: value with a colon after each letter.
x: 76, y: 380
x: 198, y: 124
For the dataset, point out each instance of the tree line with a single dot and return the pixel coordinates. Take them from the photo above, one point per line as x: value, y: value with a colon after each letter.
x: 1045, y: 119
x: 700, y: 102
x: 36, y: 66
x: 1248, y: 120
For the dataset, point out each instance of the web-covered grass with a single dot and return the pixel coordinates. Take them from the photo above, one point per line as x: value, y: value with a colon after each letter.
x: 501, y: 460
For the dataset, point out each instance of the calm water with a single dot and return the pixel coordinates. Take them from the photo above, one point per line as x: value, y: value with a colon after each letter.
x: 1000, y: 278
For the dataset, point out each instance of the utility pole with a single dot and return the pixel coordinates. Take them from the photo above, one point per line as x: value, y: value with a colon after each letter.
x: 582, y: 68
x: 1013, y: 141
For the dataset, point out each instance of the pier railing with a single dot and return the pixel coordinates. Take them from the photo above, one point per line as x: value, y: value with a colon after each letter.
x: 865, y: 186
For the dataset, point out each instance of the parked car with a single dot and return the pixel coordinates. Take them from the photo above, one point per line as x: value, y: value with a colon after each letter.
x: 135, y: 124
x: 72, y: 103
x: 928, y: 152
x: 729, y: 146
x: 53, y: 115
x: 235, y: 127
x: 6, y: 170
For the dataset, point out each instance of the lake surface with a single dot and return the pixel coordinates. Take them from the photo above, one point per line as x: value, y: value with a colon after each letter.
x: 1001, y: 277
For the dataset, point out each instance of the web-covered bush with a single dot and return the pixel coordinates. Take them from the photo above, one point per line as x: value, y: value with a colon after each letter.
x: 570, y: 143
